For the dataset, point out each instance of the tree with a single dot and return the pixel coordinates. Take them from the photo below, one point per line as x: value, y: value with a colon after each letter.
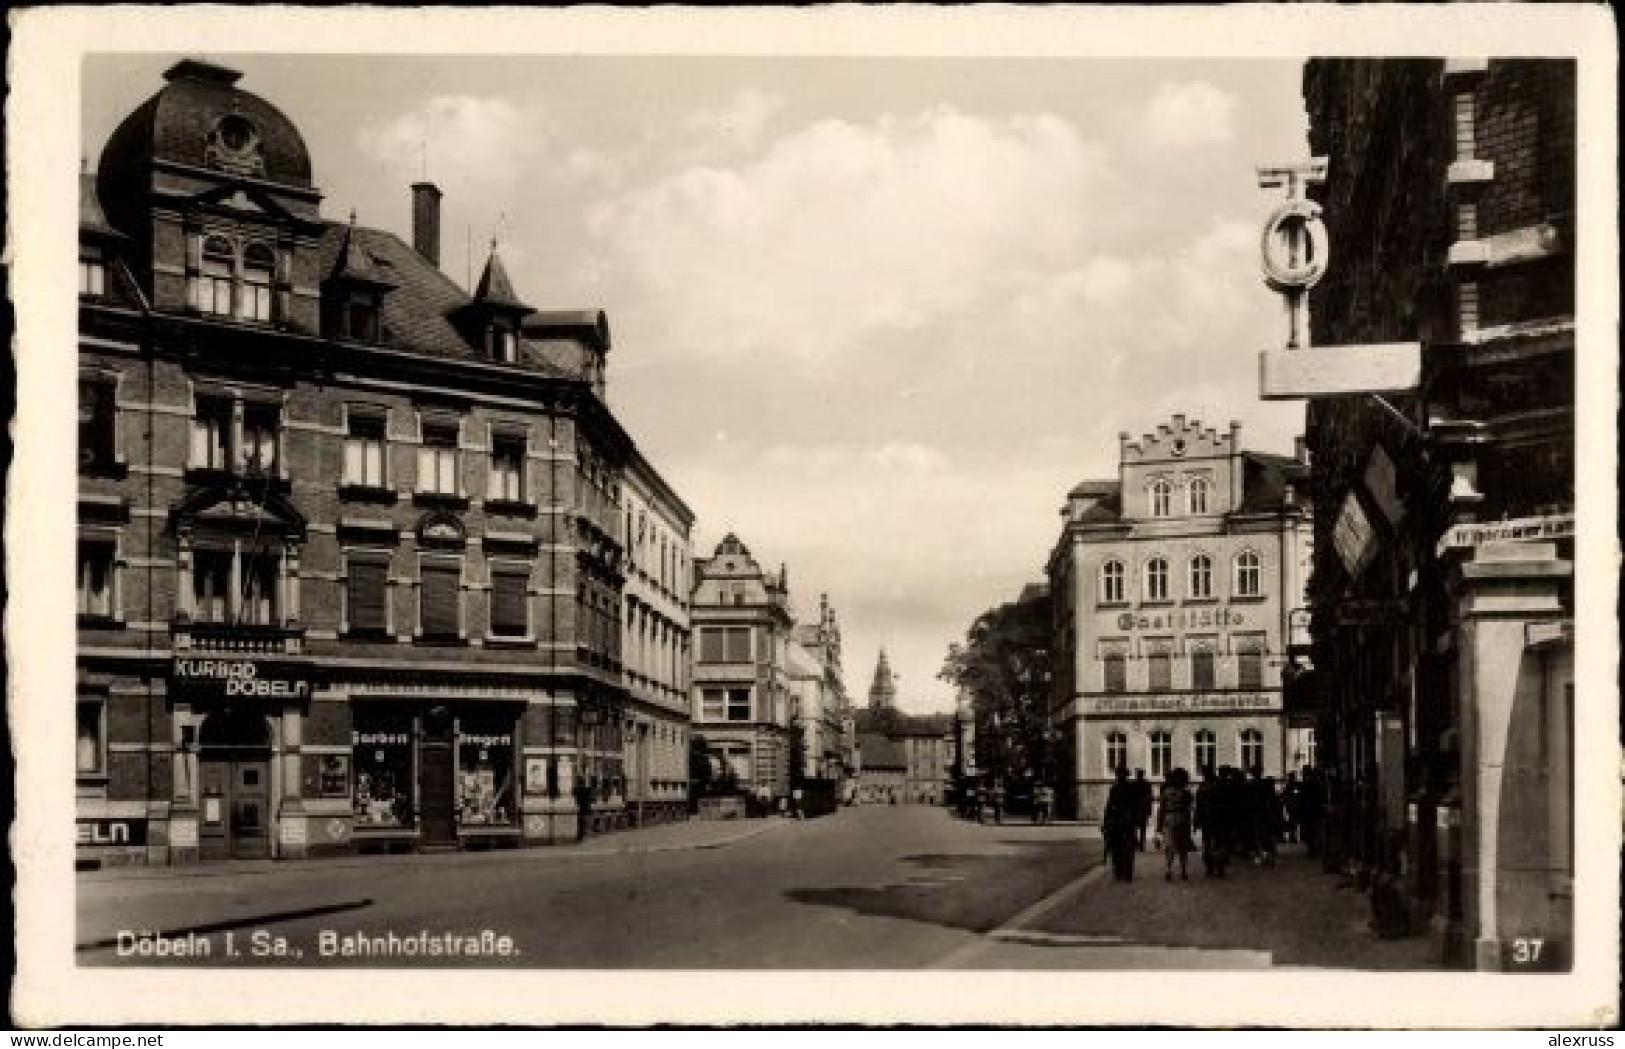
x: 1004, y: 665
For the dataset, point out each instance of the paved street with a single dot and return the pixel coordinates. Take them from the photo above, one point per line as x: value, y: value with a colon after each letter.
x: 871, y: 887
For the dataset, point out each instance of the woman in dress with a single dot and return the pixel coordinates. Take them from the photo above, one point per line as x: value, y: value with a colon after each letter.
x: 1174, y: 821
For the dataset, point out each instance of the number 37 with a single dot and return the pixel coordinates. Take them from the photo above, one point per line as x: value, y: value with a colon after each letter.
x: 1526, y: 951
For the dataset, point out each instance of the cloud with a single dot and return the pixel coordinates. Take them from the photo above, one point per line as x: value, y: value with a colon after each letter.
x: 735, y: 126
x: 1188, y: 115
x: 468, y: 139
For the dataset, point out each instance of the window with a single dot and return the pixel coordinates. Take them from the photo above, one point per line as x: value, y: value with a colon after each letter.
x: 1250, y: 670
x: 211, y: 434
x: 1247, y: 575
x: 1116, y: 669
x: 1202, y: 670
x: 1162, y: 498
x: 92, y: 276
x: 1160, y: 671
x: 437, y: 459
x: 1156, y: 580
x: 1162, y: 753
x: 364, y: 451
x: 358, y: 317
x: 1252, y: 749
x: 97, y: 425
x: 1197, y: 495
x: 1116, y: 751
x: 510, y: 607
x: 211, y: 586
x: 713, y: 704
x: 503, y: 345
x: 1200, y: 581
x: 366, y: 593
x: 1111, y: 583
x: 258, y: 453
x: 96, y: 580
x: 739, y: 704
x: 506, y: 480
x: 725, y: 645
x: 211, y: 290
x: 439, y: 600
x: 258, y: 601
x: 90, y: 745
x: 485, y: 771
x: 1205, y: 750
x: 384, y: 775
x: 259, y: 268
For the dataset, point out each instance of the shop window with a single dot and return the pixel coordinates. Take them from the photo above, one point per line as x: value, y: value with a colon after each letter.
x: 367, y: 594
x: 725, y: 645
x: 510, y: 605
x: 1111, y: 583
x: 1250, y: 669
x: 1159, y: 668
x: 1197, y: 496
x: 1156, y: 580
x: 506, y: 481
x: 382, y: 758
x: 1162, y: 753
x: 440, y: 600
x: 211, y: 433
x: 1252, y: 749
x: 364, y: 443
x: 90, y: 746
x: 259, y: 269
x: 1200, y: 577
x: 95, y: 571
x: 1202, y: 670
x: 92, y: 274
x: 1205, y: 750
x: 437, y: 459
x: 211, y: 288
x: 98, y: 421
x: 485, y: 773
x: 1162, y: 498
x: 1247, y: 581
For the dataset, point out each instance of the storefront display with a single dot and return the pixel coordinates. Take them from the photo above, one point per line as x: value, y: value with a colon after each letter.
x: 485, y: 776
x: 383, y: 773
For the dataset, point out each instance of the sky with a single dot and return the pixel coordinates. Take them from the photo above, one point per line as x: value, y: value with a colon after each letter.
x: 873, y: 315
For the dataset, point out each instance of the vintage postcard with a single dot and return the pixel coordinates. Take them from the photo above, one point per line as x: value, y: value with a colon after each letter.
x: 907, y: 515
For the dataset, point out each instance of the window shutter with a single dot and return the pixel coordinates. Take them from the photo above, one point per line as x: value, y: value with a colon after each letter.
x: 508, y: 611
x: 439, y: 600
x: 368, y: 592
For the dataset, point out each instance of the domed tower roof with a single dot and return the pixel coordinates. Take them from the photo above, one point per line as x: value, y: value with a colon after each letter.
x: 201, y: 124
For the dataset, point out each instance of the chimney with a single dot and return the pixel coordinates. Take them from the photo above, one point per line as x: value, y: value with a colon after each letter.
x: 426, y: 220
x: 1238, y: 466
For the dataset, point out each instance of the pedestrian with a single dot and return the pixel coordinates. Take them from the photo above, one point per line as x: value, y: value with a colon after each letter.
x: 1210, y: 819
x: 797, y: 808
x: 583, y: 796
x: 1174, y: 822
x: 998, y: 802
x: 1262, y: 809
x: 1291, y: 795
x: 1144, y: 801
x: 1311, y: 809
x: 1117, y: 825
x: 1044, y: 804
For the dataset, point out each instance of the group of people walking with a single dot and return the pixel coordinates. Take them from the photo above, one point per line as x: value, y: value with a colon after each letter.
x: 1236, y: 814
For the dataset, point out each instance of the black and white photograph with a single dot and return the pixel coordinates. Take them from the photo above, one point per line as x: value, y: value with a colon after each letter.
x: 1000, y: 498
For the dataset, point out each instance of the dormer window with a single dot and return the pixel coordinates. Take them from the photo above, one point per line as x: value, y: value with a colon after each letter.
x: 211, y: 291
x: 225, y: 286
x: 259, y: 270
x: 358, y: 319
x: 504, y: 347
x: 92, y: 274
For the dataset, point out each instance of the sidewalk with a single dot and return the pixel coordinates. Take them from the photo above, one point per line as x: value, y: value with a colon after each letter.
x: 1295, y: 912
x: 666, y: 837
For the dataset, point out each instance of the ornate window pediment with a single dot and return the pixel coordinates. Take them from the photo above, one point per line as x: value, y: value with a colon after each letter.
x: 441, y: 529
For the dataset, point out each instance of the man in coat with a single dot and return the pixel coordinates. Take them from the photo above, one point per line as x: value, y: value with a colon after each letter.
x: 1145, y: 802
x: 1118, y: 823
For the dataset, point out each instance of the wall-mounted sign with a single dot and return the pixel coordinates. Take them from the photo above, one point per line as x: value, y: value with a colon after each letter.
x: 1185, y: 703
x: 240, y: 677
x: 1353, y: 537
x: 1181, y: 619
x: 1519, y: 529
x: 112, y: 832
x: 1382, y: 481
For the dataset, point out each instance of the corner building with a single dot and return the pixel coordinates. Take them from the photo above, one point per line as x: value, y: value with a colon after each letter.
x: 1174, y: 586
x: 351, y: 554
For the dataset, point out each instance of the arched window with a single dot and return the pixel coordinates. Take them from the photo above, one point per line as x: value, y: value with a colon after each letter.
x: 212, y: 291
x: 1111, y: 583
x: 1204, y: 750
x: 1197, y: 495
x: 1162, y: 752
x: 259, y: 270
x: 1162, y: 498
x: 1156, y: 579
x: 1247, y: 583
x: 1252, y: 749
x: 1116, y: 752
x: 1200, y: 579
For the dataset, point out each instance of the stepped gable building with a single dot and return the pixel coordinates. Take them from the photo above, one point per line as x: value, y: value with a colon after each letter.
x: 1174, y: 587
x: 1443, y: 604
x: 351, y: 554
x: 742, y: 698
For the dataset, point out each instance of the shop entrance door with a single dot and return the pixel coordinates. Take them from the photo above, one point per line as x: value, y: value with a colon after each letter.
x: 437, y: 781
x: 234, y: 766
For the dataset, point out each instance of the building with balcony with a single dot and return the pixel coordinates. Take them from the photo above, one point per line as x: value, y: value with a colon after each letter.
x: 1173, y: 586
x: 351, y: 546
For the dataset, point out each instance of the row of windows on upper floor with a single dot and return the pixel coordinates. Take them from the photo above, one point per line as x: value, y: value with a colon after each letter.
x: 1160, y: 496
x: 1158, y: 747
x: 1203, y: 676
x: 1246, y: 579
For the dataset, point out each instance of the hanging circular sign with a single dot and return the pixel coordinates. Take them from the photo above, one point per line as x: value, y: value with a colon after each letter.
x: 1293, y: 249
